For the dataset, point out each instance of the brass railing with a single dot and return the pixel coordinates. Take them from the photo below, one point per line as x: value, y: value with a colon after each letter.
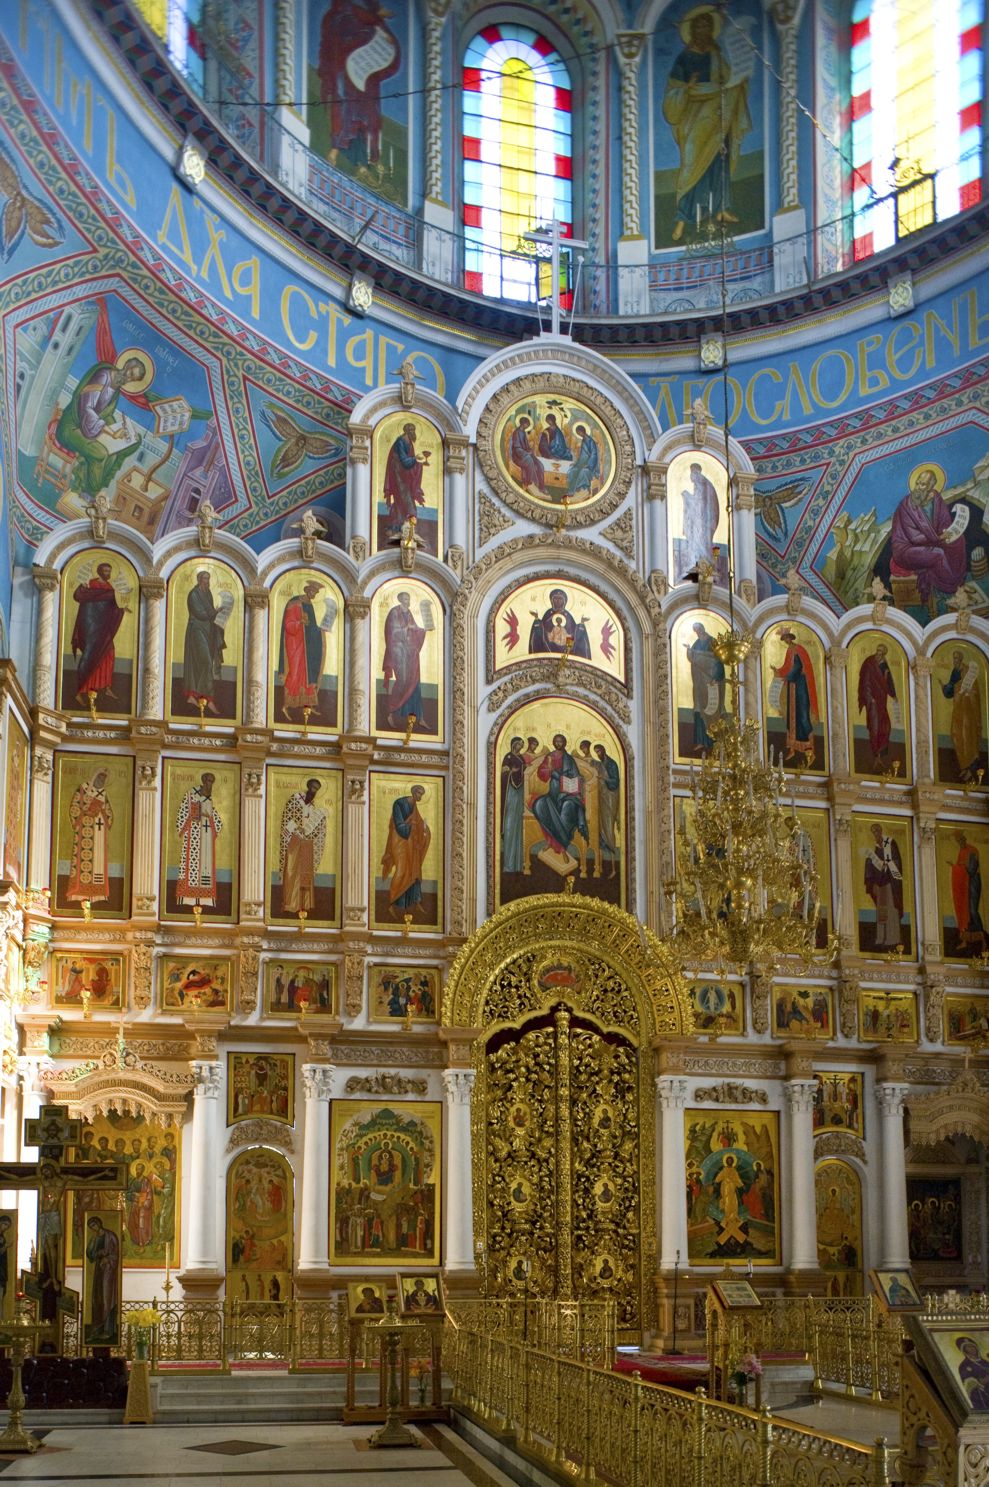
x: 850, y: 1341
x: 603, y: 1425
x: 586, y: 1330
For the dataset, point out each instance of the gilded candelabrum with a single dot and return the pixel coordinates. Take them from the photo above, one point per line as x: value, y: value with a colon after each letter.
x: 393, y: 1432
x: 18, y: 1334
x: 746, y: 889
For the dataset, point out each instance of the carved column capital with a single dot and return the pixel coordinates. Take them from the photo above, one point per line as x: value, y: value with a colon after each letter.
x: 656, y: 470
x: 745, y: 487
x: 630, y: 45
x: 207, y: 1075
x: 256, y: 598
x: 671, y: 1091
x: 45, y: 578
x: 152, y: 587
x: 360, y: 443
x: 317, y: 1081
x: 457, y: 1085
x: 800, y: 1095
x: 891, y: 1097
x: 455, y: 447
x: 357, y: 607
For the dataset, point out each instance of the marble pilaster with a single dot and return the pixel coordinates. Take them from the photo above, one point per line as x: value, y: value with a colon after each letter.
x: 152, y: 657
x: 314, y: 1239
x: 671, y: 1092
x: 202, y: 1237
x: 459, y: 1237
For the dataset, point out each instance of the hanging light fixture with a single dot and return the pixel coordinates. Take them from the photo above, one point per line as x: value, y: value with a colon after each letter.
x: 746, y: 890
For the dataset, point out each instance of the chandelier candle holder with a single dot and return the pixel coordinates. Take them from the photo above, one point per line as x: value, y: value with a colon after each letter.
x: 746, y: 890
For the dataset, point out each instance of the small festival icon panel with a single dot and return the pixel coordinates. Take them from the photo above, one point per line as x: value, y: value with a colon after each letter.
x: 260, y: 1209
x: 561, y: 620
x: 407, y: 840
x: 801, y: 1011
x: 407, y: 660
x: 697, y: 515
x: 795, y: 694
x: 260, y: 1084
x: 718, y: 1006
x: 838, y: 1199
x: 100, y: 603
x: 305, y: 643
x: 882, y: 875
x: 966, y: 1020
x: 299, y: 988
x: 385, y: 1190
x: 204, y: 657
x: 91, y: 835
x: 960, y: 707
x: 199, y: 841
x: 887, y: 1016
x: 403, y: 993
x: 934, y: 1220
x: 407, y: 482
x: 839, y: 1103
x: 196, y: 983
x: 560, y: 780
x: 303, y: 846
x: 15, y: 809
x: 878, y: 701
x: 88, y: 981
x: 702, y: 696
x: 149, y: 1204
x: 732, y: 1181
x: 962, y: 848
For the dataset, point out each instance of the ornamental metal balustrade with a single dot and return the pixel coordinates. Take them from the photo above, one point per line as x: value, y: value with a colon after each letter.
x: 677, y: 283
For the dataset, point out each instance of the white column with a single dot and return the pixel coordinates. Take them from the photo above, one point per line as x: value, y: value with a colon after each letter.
x: 44, y: 638
x: 671, y: 1091
x: 257, y: 618
x: 358, y: 712
x: 147, y: 812
x: 201, y: 1251
x: 459, y: 1239
x: 802, y: 1200
x: 251, y: 840
x: 895, y: 1245
x: 456, y: 505
x: 359, y: 513
x: 153, y: 660
x: 657, y: 558
x: 355, y: 876
x: 39, y: 849
x: 314, y: 1247
x: 837, y: 658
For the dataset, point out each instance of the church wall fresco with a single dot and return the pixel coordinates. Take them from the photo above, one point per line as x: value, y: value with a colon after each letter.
x: 407, y: 659
x: 540, y: 619
x: 882, y: 875
x: 960, y: 693
x: 408, y: 832
x: 795, y: 693
x: 15, y: 814
x: 962, y: 847
x: 878, y: 706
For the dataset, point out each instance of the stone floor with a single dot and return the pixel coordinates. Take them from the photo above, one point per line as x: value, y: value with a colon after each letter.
x: 248, y: 1456
x: 854, y: 1419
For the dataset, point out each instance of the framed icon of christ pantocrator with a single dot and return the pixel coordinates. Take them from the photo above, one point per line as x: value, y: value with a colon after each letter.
x: 554, y: 446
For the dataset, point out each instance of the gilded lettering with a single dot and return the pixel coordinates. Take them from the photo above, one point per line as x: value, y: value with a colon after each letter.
x: 976, y: 336
x: 848, y: 382
x: 337, y: 317
x: 213, y: 252
x: 246, y: 280
x: 663, y: 404
x: 117, y: 179
x: 182, y: 249
x: 908, y: 332
x: 795, y: 384
x: 362, y: 360
x: 871, y: 379
x: 287, y: 295
x: 772, y: 415
x: 934, y: 323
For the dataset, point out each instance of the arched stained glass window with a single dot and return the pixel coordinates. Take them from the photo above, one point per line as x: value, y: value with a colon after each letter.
x: 518, y: 156
x: 916, y: 115
x: 178, y: 24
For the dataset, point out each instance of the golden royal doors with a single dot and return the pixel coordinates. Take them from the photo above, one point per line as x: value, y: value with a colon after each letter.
x: 565, y: 998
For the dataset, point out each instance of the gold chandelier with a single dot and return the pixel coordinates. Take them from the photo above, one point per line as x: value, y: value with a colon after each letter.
x: 746, y: 890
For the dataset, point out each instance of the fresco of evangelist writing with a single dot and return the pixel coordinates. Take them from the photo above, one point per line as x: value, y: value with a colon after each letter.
x: 358, y: 90
x: 149, y: 1204
x: 708, y: 134
x: 98, y: 634
x: 962, y: 850
x: 199, y: 841
x: 559, y: 798
x: 732, y: 1180
x: 960, y: 706
x: 407, y: 842
x: 701, y: 693
x: 407, y: 660
x: 697, y: 515
x: 260, y: 1207
x: 91, y: 835
x: 560, y: 619
x: 407, y: 483
x: 878, y: 701
x: 795, y: 697
x: 303, y: 846
x: 204, y: 657
x: 111, y: 408
x: 882, y: 877
x: 305, y: 646
x: 385, y: 1193
x: 838, y: 1194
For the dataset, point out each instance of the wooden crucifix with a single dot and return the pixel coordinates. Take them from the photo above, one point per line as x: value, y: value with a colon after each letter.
x: 52, y: 1131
